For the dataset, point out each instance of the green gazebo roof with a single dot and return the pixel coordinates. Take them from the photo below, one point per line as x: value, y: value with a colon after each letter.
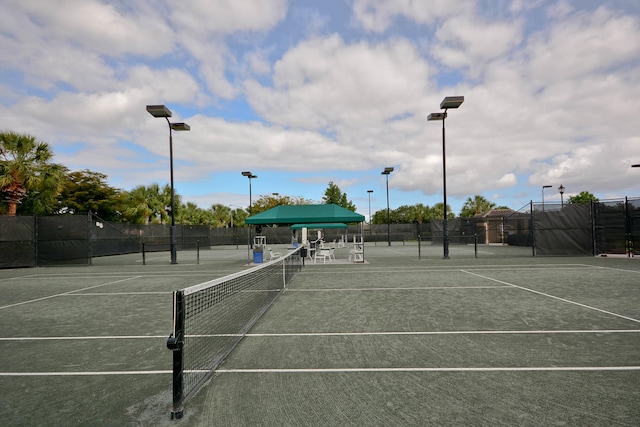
x: 305, y: 214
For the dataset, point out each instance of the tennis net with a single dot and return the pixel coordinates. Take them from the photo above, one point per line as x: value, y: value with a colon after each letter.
x: 210, y: 319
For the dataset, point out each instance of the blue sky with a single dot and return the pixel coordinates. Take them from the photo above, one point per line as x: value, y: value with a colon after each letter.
x: 305, y: 92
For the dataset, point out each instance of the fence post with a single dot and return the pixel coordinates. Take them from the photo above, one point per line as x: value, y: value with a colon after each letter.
x: 533, y: 229
x: 592, y: 217
x: 35, y: 240
x: 89, y: 232
x: 475, y: 244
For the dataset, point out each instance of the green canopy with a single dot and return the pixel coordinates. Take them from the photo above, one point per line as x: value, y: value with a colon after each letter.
x: 321, y: 225
x: 305, y: 214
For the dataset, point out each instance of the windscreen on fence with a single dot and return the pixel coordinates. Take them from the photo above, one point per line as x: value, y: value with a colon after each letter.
x: 633, y: 215
x: 63, y: 239
x: 17, y: 244
x: 563, y: 230
x: 617, y: 226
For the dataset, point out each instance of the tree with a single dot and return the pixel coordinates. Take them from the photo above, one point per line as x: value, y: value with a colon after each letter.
x: 25, y: 167
x: 144, y: 205
x: 87, y: 191
x: 476, y: 206
x: 267, y: 202
x: 583, y: 197
x: 438, y: 211
x: 191, y: 214
x: 333, y: 195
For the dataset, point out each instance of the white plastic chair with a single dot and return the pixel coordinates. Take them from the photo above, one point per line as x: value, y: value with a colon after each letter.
x: 274, y: 255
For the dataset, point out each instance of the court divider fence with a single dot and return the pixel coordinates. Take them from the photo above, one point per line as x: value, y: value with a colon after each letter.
x: 548, y: 229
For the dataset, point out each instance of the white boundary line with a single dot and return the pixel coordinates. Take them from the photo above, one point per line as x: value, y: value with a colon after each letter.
x: 488, y: 369
x: 332, y: 370
x: 409, y: 288
x: 553, y: 296
x: 67, y: 293
x: 109, y: 337
x: 332, y: 334
x: 73, y: 374
x: 603, y: 331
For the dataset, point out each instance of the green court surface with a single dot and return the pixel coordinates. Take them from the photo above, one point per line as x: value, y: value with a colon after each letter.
x: 503, y: 339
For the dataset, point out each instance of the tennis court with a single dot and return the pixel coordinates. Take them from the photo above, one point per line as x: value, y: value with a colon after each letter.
x: 398, y: 340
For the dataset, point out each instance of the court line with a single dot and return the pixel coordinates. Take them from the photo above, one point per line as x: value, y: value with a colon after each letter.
x: 67, y: 293
x: 487, y: 369
x: 416, y: 288
x: 348, y: 334
x: 618, y: 269
x: 86, y: 373
x: 106, y: 337
x: 123, y: 293
x: 553, y: 296
x: 439, y: 269
x: 330, y: 334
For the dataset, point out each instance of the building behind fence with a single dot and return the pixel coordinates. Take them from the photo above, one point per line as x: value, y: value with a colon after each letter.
x: 605, y: 227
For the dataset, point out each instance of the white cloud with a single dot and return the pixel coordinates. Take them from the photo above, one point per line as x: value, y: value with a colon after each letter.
x: 324, y: 83
x: 205, y: 17
x: 376, y: 15
x: 204, y: 24
x: 582, y: 44
x: 96, y: 26
x: 466, y: 40
x: 551, y: 96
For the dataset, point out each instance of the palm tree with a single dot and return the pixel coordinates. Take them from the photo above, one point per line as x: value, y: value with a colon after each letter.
x: 476, y: 206
x: 25, y: 166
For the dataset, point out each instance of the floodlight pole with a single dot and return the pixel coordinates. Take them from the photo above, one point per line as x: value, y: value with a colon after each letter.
x: 543, y: 187
x: 162, y: 111
x: 447, y: 102
x: 386, y: 172
x: 249, y: 175
x: 369, y: 192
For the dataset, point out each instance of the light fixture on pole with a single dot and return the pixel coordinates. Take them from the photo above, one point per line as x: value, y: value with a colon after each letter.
x: 249, y: 175
x: 636, y: 165
x: 561, y: 190
x: 162, y: 111
x: 369, y: 192
x: 447, y: 102
x: 386, y: 172
x: 543, y: 187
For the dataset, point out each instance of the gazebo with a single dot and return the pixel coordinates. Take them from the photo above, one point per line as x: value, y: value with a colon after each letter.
x: 305, y: 214
x: 305, y: 217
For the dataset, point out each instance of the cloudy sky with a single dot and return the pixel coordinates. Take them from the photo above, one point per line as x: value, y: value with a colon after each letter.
x: 303, y: 92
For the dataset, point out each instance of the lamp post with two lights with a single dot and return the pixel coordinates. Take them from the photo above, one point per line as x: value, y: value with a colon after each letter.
x: 447, y: 102
x: 160, y: 111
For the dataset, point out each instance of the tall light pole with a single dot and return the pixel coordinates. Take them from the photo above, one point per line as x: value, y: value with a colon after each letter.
x: 162, y: 111
x: 250, y: 176
x: 369, y: 192
x: 386, y: 172
x: 561, y: 190
x: 543, y: 187
x: 447, y: 102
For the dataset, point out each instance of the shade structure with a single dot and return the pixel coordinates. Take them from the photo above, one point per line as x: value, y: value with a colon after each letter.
x: 322, y: 225
x: 305, y: 214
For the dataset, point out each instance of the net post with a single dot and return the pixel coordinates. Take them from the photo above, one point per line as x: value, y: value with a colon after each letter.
x: 144, y: 257
x: 419, y: 246
x: 198, y: 252
x: 175, y: 343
